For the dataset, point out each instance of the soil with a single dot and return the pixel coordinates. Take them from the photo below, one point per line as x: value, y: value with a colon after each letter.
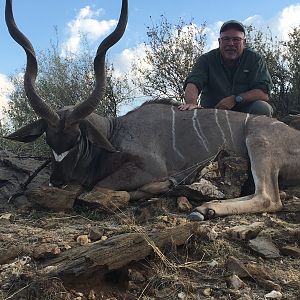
x: 201, y: 268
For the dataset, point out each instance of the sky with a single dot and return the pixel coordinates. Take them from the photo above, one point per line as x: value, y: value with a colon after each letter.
x: 97, y: 18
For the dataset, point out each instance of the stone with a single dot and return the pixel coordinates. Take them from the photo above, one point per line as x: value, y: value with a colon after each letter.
x: 83, y: 239
x: 183, y: 204
x: 195, y: 216
x: 44, y: 251
x: 291, y: 251
x: 10, y: 254
x: 95, y: 234
x: 207, y: 292
x: 273, y: 295
x: 234, y: 282
x: 246, y: 232
x: 182, y: 296
x: 264, y: 247
x: 235, y: 266
x: 92, y: 295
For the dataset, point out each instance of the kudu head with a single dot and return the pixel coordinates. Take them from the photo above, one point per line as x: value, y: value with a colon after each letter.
x: 67, y: 127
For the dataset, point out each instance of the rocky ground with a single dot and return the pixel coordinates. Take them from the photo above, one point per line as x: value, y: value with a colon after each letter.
x: 141, y: 250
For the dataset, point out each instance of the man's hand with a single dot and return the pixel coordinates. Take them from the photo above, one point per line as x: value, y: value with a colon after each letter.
x: 226, y: 103
x: 188, y: 106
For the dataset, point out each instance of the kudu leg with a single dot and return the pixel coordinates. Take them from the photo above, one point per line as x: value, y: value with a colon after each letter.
x: 151, y: 189
x: 265, y: 199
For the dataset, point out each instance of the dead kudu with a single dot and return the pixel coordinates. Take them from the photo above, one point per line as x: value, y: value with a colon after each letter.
x: 144, y: 149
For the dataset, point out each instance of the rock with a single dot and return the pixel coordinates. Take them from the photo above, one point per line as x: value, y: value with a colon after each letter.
x: 228, y: 173
x: 195, y: 216
x: 6, y: 217
x: 262, y: 275
x: 291, y: 251
x: 246, y: 232
x: 213, y: 263
x: 106, y: 199
x: 183, y: 204
x: 233, y: 266
x: 92, y: 295
x: 83, y: 239
x: 207, y: 189
x: 207, y: 292
x: 182, y: 296
x: 234, y: 282
x: 95, y: 234
x: 52, y: 197
x: 273, y: 295
x: 46, y: 251
x: 10, y: 254
x: 206, y: 232
x: 264, y: 247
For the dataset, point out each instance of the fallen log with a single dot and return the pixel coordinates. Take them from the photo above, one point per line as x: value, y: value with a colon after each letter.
x: 117, y: 251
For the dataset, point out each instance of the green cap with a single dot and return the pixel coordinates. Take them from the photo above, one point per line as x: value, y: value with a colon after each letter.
x: 234, y: 24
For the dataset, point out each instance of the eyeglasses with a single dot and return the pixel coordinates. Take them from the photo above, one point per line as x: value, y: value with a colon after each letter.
x: 235, y: 40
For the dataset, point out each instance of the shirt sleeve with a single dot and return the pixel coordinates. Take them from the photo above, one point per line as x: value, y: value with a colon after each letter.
x: 261, y: 77
x: 199, y: 74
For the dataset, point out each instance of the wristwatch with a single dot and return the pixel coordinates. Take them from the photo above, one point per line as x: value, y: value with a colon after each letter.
x: 238, y: 99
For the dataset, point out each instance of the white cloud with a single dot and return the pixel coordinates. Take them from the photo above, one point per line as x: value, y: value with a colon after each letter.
x: 280, y: 25
x: 86, y: 24
x: 288, y: 19
x: 124, y: 60
x: 6, y: 88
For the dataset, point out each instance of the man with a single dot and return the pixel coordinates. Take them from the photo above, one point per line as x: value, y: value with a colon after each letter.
x: 230, y: 77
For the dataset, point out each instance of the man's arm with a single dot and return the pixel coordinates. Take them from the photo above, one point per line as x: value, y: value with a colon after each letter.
x: 249, y: 96
x: 191, y: 94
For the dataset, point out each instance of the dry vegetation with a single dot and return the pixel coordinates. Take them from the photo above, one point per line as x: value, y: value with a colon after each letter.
x: 188, y: 260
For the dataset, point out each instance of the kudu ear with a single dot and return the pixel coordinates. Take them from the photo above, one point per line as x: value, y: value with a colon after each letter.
x: 96, y: 136
x: 29, y: 132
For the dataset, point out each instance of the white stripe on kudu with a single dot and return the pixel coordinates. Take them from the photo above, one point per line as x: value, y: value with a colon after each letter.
x: 219, y: 126
x: 199, y: 132
x: 229, y: 126
x: 247, y: 117
x: 174, y: 133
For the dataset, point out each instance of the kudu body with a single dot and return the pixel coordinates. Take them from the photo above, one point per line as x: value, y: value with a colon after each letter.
x: 156, y: 141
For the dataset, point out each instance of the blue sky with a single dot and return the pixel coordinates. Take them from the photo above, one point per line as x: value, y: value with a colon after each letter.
x: 37, y: 18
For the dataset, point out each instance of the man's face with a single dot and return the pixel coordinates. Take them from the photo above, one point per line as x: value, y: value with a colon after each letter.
x: 232, y: 44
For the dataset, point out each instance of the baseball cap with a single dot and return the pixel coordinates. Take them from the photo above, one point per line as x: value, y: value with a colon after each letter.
x: 232, y: 23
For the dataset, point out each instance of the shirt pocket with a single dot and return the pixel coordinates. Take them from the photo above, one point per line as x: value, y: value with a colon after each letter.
x: 242, y: 81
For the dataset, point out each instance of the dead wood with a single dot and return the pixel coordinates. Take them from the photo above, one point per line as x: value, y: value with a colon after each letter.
x: 105, y: 199
x: 117, y: 251
x: 53, y: 198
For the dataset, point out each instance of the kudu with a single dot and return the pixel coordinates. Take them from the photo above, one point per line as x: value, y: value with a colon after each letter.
x: 155, y: 142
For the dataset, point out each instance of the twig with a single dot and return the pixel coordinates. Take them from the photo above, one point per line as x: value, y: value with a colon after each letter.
x: 17, y: 292
x: 24, y: 185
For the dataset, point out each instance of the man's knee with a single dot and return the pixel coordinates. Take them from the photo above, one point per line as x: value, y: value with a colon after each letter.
x: 258, y: 107
x: 261, y: 108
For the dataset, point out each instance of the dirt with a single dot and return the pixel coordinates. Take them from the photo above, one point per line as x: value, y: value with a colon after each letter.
x: 216, y: 264
x: 195, y: 270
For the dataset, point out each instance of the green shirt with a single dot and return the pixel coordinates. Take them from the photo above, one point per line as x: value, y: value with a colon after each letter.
x: 216, y: 81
